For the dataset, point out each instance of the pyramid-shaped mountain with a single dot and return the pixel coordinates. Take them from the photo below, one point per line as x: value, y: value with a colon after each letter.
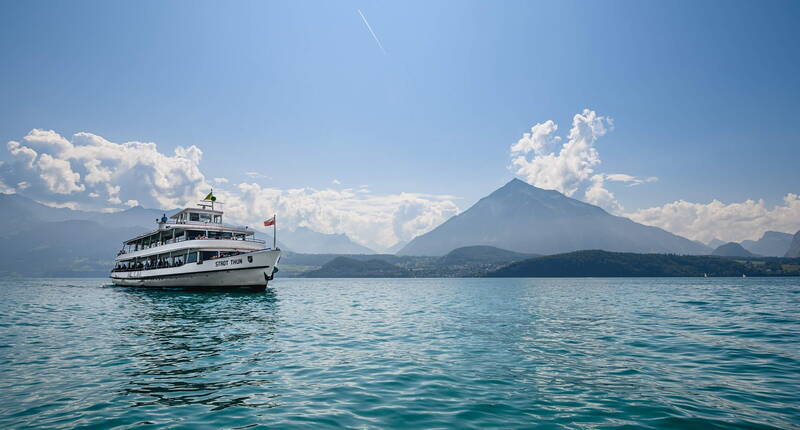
x: 732, y: 249
x: 523, y: 218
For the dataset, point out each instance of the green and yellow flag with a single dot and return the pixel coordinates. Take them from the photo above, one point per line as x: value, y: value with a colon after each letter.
x: 211, y: 197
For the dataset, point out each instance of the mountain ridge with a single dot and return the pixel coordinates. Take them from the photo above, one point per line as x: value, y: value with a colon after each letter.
x: 732, y: 249
x: 794, y: 249
x: 522, y: 218
x: 307, y: 241
x: 771, y: 244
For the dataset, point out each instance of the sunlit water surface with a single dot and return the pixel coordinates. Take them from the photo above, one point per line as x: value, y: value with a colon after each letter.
x: 456, y: 353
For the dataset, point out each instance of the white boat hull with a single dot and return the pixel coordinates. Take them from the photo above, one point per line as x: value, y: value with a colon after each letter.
x: 251, y: 270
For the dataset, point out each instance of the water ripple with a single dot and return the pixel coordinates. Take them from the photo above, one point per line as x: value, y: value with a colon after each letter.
x: 431, y: 353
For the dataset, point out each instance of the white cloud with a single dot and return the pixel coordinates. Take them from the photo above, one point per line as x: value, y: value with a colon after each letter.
x: 573, y: 164
x: 256, y: 175
x: 90, y: 172
x: 542, y: 160
x: 57, y: 169
x: 727, y: 222
x: 70, y: 205
x: 23, y: 154
x: 336, y: 182
x: 597, y: 194
x: 630, y: 180
x: 378, y: 221
x: 58, y: 175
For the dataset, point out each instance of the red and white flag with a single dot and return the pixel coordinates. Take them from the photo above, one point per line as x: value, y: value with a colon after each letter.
x: 270, y: 221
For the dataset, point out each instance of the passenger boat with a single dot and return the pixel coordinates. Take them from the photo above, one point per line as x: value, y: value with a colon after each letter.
x: 193, y: 248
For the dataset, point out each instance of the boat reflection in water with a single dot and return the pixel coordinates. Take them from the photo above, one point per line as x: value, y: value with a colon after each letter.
x: 214, y: 349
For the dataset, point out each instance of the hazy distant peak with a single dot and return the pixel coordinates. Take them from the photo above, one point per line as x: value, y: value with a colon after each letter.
x: 715, y: 243
x: 305, y: 240
x: 775, y: 235
x: 771, y: 244
x: 732, y: 249
x: 794, y: 248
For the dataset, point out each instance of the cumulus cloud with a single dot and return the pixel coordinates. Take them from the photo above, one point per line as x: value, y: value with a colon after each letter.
x: 597, y: 194
x: 543, y: 160
x: 85, y: 167
x: 90, y: 172
x: 378, y: 221
x: 728, y: 222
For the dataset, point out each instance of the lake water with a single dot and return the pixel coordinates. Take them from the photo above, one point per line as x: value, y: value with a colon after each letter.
x: 447, y: 353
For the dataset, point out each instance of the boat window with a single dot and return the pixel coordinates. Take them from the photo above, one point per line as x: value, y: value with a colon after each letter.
x: 218, y: 219
x: 205, y: 217
x: 191, y: 257
x: 194, y: 216
x: 219, y: 235
x: 193, y: 234
x: 208, y: 255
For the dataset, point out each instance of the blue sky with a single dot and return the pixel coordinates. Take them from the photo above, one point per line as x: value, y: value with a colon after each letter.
x: 703, y: 94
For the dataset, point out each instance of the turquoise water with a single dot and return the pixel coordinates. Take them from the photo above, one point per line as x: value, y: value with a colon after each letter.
x: 446, y: 353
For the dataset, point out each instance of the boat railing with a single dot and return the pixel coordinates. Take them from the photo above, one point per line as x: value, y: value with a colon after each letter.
x: 184, y: 239
x: 139, y: 267
x: 207, y: 223
x: 163, y: 264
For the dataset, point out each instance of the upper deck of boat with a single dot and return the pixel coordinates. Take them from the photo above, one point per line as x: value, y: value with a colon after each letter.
x: 202, y: 225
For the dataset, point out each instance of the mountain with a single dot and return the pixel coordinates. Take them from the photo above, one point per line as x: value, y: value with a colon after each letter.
x: 345, y: 267
x: 732, y: 249
x: 267, y: 238
x: 522, y: 218
x: 794, y: 249
x: 306, y: 241
x: 40, y: 240
x: 467, y: 261
x: 715, y: 243
x: 396, y: 247
x: 482, y: 254
x: 618, y: 264
x: 20, y: 211
x: 771, y: 244
x: 62, y: 248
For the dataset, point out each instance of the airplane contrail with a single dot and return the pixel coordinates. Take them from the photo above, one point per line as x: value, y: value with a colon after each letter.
x: 369, y: 27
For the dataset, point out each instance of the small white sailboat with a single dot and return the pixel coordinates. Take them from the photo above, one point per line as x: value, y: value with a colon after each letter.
x: 193, y: 248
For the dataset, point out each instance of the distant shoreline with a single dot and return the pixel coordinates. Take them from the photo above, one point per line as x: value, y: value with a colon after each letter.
x: 491, y: 262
